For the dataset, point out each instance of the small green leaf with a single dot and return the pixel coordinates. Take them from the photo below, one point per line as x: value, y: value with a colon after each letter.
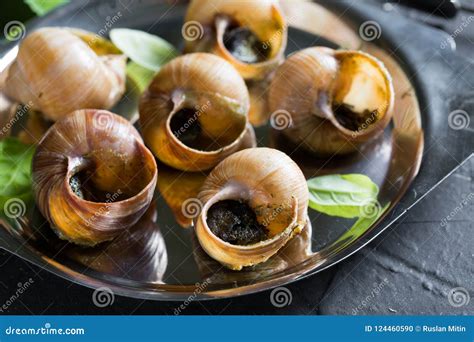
x: 341, y: 195
x: 15, y: 171
x: 361, y: 226
x: 41, y: 7
x: 143, y: 48
x: 139, y: 75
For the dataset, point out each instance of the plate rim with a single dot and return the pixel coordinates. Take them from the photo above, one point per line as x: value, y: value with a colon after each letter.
x: 94, y: 283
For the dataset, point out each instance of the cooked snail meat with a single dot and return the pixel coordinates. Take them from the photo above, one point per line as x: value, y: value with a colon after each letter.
x: 244, y: 45
x: 191, y: 135
x: 236, y: 223
x: 350, y: 119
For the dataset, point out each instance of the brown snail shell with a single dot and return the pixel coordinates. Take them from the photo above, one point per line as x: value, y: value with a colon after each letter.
x: 333, y: 100
x: 92, y: 176
x: 59, y: 70
x: 274, y: 188
x: 199, y: 97
x: 211, y: 25
x: 296, y: 251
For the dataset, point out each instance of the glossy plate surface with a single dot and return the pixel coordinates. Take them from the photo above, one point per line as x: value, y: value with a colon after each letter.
x: 158, y: 259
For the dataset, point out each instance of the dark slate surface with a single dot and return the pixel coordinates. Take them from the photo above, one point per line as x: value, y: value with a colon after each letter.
x: 414, y: 265
x: 409, y: 269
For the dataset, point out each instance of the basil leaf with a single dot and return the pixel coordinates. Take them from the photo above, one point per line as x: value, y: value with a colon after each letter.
x: 15, y: 171
x: 140, y: 76
x: 341, y: 195
x: 143, y: 48
x: 41, y: 7
x: 361, y: 226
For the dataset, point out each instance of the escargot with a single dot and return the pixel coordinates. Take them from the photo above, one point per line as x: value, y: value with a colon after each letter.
x: 93, y: 177
x: 251, y: 35
x: 59, y: 70
x: 333, y: 100
x: 254, y: 202
x: 194, y: 113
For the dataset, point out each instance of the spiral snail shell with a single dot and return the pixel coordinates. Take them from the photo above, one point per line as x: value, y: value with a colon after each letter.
x: 254, y: 202
x: 59, y: 70
x: 337, y: 100
x: 251, y: 35
x: 194, y: 113
x: 92, y: 176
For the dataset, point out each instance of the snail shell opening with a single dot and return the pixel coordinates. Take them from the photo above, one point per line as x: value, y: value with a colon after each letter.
x: 337, y: 99
x: 362, y: 97
x: 251, y: 35
x: 93, y: 176
x: 195, y: 112
x: 254, y: 202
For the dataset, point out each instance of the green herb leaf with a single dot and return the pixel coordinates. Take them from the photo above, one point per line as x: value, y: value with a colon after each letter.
x: 139, y: 75
x: 15, y: 171
x: 361, y: 226
x: 143, y: 48
x: 341, y: 195
x: 41, y: 7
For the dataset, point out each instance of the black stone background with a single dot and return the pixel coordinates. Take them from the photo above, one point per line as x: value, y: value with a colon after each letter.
x: 409, y: 269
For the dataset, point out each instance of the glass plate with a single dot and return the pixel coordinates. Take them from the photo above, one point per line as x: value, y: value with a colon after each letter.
x: 158, y: 258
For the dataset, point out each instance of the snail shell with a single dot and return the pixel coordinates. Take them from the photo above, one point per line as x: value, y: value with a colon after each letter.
x: 92, y: 176
x: 194, y: 113
x: 233, y: 29
x: 274, y: 188
x: 337, y: 100
x: 57, y: 72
